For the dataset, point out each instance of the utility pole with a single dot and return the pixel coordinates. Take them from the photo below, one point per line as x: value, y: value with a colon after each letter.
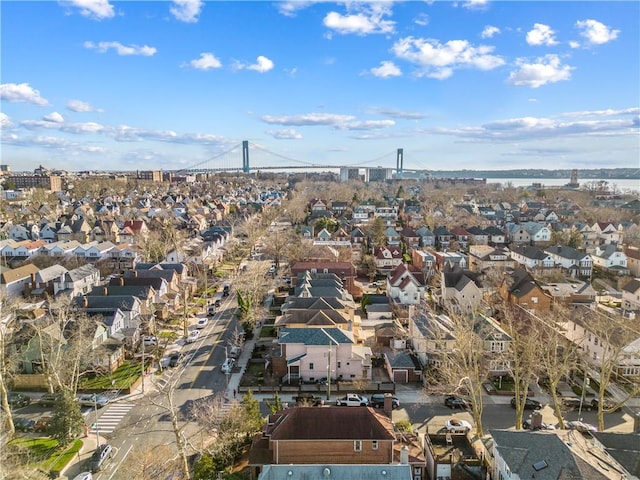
x: 329, y: 373
x: 143, y: 367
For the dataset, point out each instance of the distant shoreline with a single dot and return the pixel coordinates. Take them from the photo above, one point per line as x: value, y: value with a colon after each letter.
x: 540, y: 174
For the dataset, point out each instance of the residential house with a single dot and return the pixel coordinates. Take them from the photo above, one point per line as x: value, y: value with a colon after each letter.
x: 574, y: 262
x: 402, y: 366
x: 297, y: 437
x: 631, y: 296
x: 392, y: 237
x: 388, y: 214
x: 304, y: 355
x: 345, y: 271
x: 107, y: 305
x: 123, y: 257
x: 496, y: 236
x: 550, y: 455
x: 14, y: 281
x: 427, y: 238
x: 79, y: 281
x: 532, y: 258
x: 386, y: 258
x: 404, y: 286
x: 518, y: 287
x: 94, y: 251
x: 518, y: 234
x: 587, y: 329
x: 47, y: 281
x: 461, y: 237
x: 360, y: 215
x: 25, y: 231
x: 358, y: 237
x: 431, y: 337
x: 424, y: 260
x: 538, y: 234
x: 633, y: 259
x: 478, y: 236
x: 449, y: 454
x: 410, y: 237
x: 443, y: 237
x: 139, y: 228
x: 570, y: 293
x: 607, y: 233
x: 159, y: 285
x: 608, y: 257
x: 460, y: 290
x: 482, y: 257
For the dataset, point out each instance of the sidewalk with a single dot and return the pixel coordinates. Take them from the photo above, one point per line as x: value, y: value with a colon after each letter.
x: 81, y: 462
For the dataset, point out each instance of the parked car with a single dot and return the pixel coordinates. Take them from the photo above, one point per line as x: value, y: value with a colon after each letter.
x: 84, y: 476
x: 529, y: 404
x: 193, y: 336
x: 227, y: 366
x: 456, y: 425
x: 18, y: 400
x: 581, y: 427
x: 453, y: 401
x: 234, y: 352
x: 100, y: 456
x: 23, y: 424
x: 608, y: 406
x: 149, y: 341
x: 49, y: 399
x: 202, y: 322
x: 306, y: 399
x: 42, y: 424
x: 93, y: 400
x: 377, y: 401
x: 174, y: 359
x: 353, y: 400
x: 211, y: 310
x: 527, y: 425
x: 217, y: 303
x: 574, y: 402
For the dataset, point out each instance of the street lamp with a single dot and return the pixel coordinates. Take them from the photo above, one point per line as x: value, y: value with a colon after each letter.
x: 95, y: 409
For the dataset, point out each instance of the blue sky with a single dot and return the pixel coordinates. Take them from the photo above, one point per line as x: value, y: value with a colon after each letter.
x: 105, y: 85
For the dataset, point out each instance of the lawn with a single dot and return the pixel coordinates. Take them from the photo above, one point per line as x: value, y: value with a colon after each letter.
x: 266, y: 331
x: 43, y: 453
x: 123, y: 377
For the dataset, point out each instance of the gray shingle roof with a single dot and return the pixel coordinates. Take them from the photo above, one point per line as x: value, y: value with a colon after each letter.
x: 315, y: 336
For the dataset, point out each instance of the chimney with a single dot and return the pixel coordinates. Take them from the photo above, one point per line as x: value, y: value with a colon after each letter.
x: 122, y: 281
x: 85, y: 302
x: 536, y: 420
x: 388, y: 405
x: 105, y: 291
x: 404, y: 454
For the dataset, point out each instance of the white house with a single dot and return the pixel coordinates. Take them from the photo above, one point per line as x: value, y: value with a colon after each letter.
x: 403, y: 287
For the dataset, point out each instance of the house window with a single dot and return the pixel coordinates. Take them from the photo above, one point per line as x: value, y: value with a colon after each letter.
x: 595, y: 356
x: 534, y: 300
x: 311, y: 366
x: 339, y: 364
x: 595, y: 341
x: 357, y: 445
x: 374, y: 445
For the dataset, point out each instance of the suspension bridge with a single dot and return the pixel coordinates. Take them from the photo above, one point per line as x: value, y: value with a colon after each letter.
x: 259, y: 158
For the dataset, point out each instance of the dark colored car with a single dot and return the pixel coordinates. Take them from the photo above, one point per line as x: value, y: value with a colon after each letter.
x: 18, y: 400
x: 530, y: 404
x: 377, y: 401
x: 453, y: 401
x: 42, y: 424
x: 573, y: 402
x: 23, y: 424
x: 174, y: 359
x: 308, y: 399
x: 100, y: 456
x: 608, y: 406
x: 49, y: 399
x: 528, y: 425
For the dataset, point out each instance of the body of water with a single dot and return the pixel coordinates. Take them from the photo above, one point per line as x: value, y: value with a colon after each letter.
x: 624, y: 184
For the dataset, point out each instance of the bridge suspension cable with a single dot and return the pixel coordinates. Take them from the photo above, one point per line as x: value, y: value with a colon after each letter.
x: 369, y: 161
x: 193, y: 167
x: 266, y: 150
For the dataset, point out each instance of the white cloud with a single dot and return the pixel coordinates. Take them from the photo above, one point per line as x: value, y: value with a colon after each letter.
x: 475, y: 4
x: 367, y: 19
x: 95, y: 9
x: 53, y: 117
x: 574, y: 44
x: 394, y: 113
x: 285, y: 134
x: 5, y: 121
x: 21, y: 92
x: 121, y: 49
x: 308, y: 119
x: 489, y: 31
x: 186, y: 10
x: 93, y: 149
x: 386, y: 69
x: 207, y: 61
x: 596, y: 33
x: 548, y: 69
x: 263, y: 64
x: 541, y: 35
x: 438, y: 60
x: 81, y: 107
x: 604, y: 113
x: 366, y: 125
x: 289, y: 9
x: 422, y: 19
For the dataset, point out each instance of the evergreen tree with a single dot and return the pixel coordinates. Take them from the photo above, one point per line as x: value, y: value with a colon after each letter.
x: 67, y: 421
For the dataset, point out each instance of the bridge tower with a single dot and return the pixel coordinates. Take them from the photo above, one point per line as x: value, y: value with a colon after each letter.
x: 245, y: 156
x: 400, y: 161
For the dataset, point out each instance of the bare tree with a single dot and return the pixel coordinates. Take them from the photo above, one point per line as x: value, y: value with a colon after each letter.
x: 467, y: 366
x: 522, y: 360
x: 251, y: 288
x: 149, y: 462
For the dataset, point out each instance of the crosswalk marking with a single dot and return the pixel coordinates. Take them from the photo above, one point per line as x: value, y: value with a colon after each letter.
x: 111, y: 417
